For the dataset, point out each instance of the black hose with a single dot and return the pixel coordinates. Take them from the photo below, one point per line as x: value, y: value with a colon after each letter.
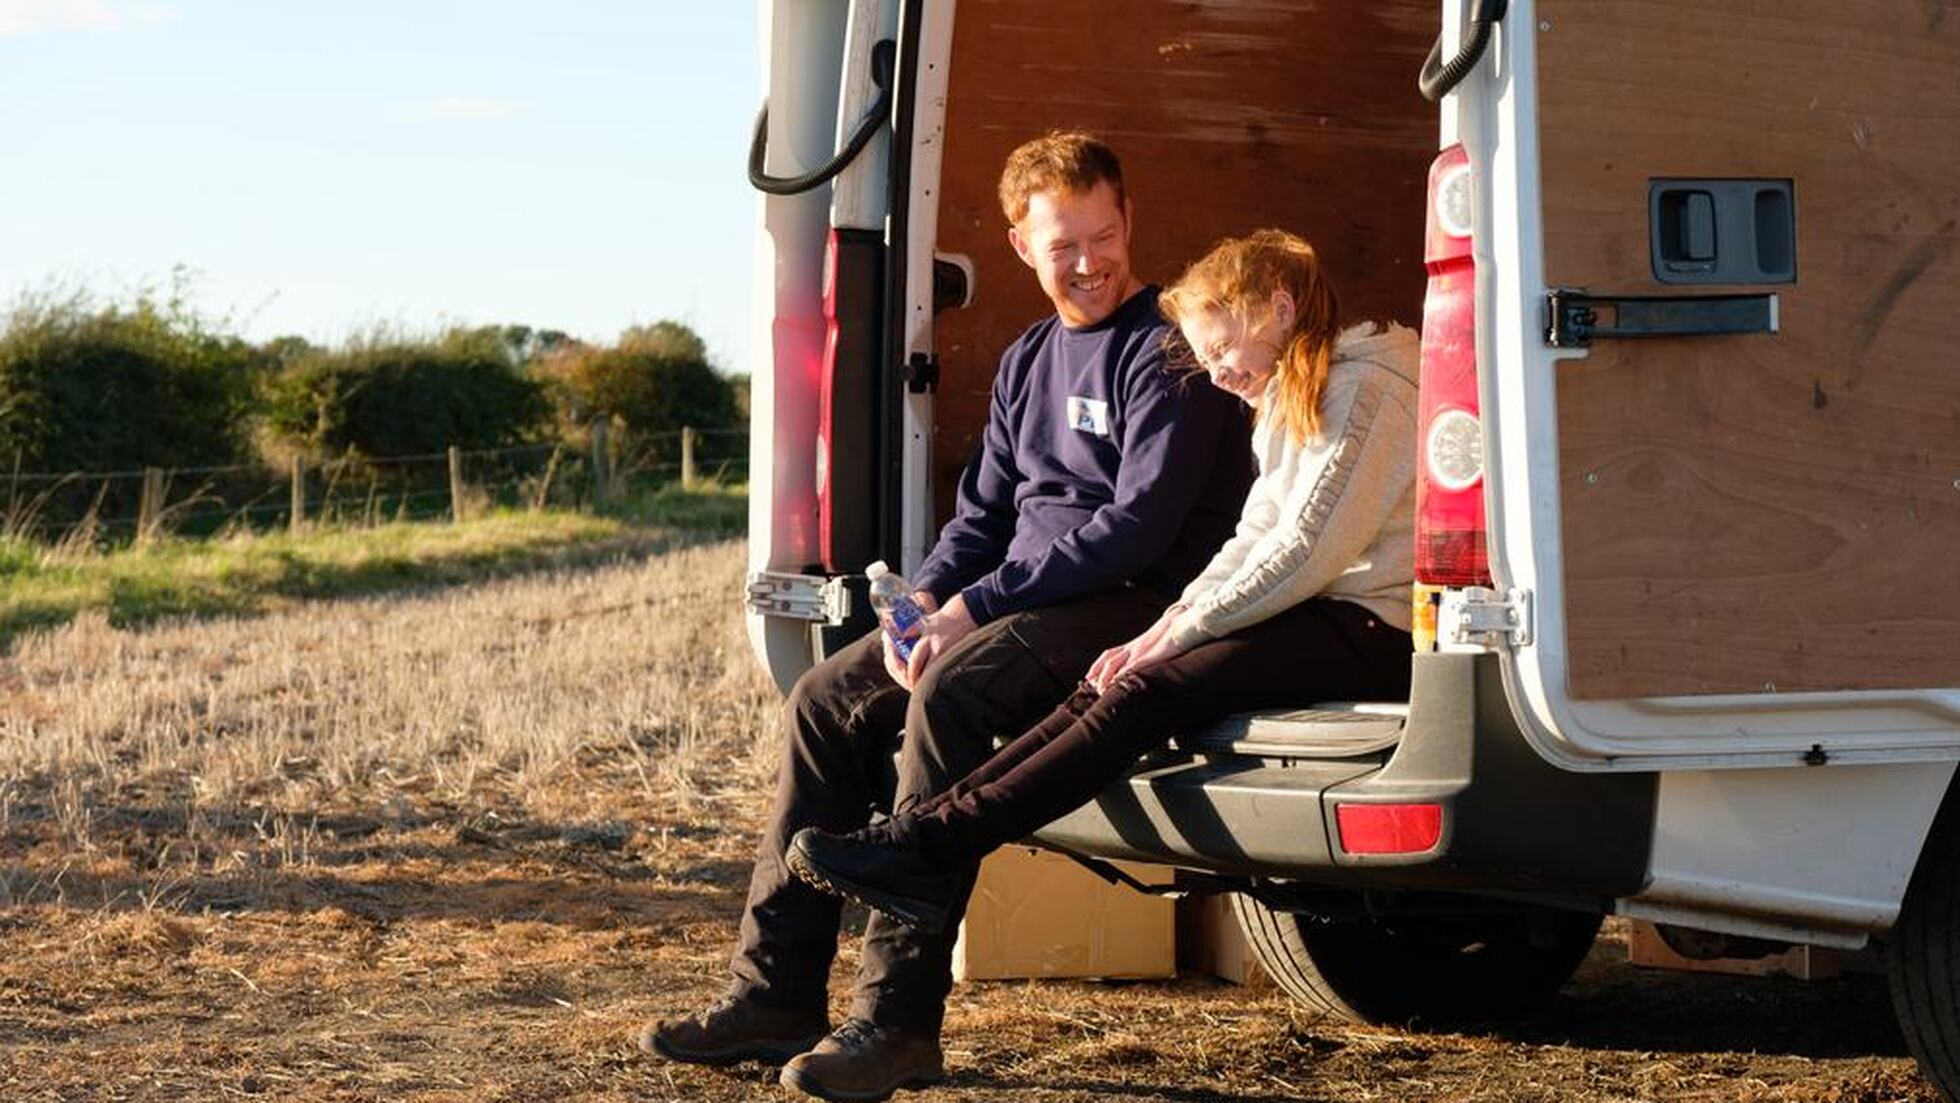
x: 875, y: 117
x: 1437, y: 78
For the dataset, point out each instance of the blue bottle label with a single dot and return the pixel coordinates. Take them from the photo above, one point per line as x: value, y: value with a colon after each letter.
x: 902, y: 615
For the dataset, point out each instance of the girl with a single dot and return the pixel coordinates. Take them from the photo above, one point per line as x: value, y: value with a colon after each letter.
x: 1309, y: 599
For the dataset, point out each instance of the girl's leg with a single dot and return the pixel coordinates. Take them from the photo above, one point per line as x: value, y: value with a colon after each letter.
x: 1016, y: 752
x: 1318, y: 650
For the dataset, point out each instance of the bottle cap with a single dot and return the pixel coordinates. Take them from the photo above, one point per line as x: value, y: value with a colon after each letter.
x: 877, y: 571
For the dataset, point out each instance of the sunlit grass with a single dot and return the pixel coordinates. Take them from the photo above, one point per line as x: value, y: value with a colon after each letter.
x: 246, y: 572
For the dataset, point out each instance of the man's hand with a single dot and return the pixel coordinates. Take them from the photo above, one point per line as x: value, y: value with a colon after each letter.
x: 1151, y: 646
x: 937, y: 634
x: 894, y: 665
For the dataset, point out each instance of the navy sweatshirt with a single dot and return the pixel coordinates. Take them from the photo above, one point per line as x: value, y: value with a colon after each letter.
x: 1100, y: 465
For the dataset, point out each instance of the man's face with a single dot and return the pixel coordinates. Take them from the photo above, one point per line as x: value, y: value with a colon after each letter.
x: 1078, y: 244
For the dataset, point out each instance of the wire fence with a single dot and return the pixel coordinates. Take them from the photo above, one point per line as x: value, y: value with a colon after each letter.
x: 606, y: 468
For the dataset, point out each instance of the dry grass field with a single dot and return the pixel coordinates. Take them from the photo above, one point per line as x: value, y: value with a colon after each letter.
x: 455, y: 845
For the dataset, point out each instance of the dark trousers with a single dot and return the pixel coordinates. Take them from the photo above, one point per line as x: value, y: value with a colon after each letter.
x: 1319, y: 650
x: 840, y: 728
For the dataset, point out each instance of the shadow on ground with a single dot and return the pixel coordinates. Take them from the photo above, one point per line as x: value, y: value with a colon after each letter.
x: 586, y: 876
x: 1615, y: 1005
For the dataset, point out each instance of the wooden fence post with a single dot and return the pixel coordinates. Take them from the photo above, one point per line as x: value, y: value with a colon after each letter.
x: 687, y: 457
x: 544, y: 485
x: 149, y: 508
x: 602, y: 462
x: 296, y: 518
x: 455, y: 483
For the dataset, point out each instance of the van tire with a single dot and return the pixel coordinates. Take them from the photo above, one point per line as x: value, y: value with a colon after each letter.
x: 1423, y: 970
x: 1922, y: 957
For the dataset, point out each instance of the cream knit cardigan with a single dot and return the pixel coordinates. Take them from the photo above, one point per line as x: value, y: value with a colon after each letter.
x: 1334, y: 516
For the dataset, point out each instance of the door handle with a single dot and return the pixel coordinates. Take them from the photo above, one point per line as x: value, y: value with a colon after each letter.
x: 1576, y: 320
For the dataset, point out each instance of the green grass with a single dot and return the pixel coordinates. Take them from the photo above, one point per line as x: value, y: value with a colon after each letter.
x: 249, y: 573
x: 712, y: 507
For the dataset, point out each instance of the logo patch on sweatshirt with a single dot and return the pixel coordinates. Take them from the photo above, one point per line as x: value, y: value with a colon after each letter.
x: 1088, y: 415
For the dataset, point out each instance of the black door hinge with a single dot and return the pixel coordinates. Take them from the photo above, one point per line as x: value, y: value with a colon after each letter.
x: 922, y: 373
x: 1576, y: 317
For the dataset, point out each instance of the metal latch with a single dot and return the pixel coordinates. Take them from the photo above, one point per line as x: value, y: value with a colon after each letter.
x: 799, y: 596
x: 1481, y: 617
x: 1576, y: 321
x: 921, y: 372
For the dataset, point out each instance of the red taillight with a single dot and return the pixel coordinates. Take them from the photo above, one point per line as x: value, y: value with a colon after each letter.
x: 827, y: 403
x: 1450, y: 548
x: 847, y: 428
x: 1388, y: 828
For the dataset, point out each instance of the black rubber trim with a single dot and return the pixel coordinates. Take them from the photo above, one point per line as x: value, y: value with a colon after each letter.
x: 1512, y: 822
x: 1437, y: 78
x: 898, y: 230
x: 867, y: 128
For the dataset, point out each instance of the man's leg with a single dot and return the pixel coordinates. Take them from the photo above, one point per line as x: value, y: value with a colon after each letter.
x: 838, y: 727
x: 992, y: 686
x: 839, y: 724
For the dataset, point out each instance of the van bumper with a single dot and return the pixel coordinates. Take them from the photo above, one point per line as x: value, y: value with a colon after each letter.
x: 1511, y: 822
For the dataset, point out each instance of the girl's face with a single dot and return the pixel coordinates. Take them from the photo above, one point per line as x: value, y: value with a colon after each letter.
x: 1239, y: 357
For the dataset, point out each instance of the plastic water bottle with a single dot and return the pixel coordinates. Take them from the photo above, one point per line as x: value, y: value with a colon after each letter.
x: 891, y: 597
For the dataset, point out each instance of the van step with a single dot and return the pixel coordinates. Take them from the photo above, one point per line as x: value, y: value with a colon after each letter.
x: 1331, y: 730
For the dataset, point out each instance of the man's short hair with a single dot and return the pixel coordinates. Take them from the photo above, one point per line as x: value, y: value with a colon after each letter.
x: 1065, y: 160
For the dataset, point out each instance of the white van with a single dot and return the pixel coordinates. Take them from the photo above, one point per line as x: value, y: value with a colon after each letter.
x: 1688, y: 278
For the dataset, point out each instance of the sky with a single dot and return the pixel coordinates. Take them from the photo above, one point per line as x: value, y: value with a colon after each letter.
x: 321, y: 167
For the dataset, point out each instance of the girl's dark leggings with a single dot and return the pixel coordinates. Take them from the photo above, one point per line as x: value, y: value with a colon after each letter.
x: 1320, y: 650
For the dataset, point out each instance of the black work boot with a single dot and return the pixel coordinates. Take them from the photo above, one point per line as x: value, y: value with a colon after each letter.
x: 734, y: 1029
x: 879, y: 868
x: 863, y: 1061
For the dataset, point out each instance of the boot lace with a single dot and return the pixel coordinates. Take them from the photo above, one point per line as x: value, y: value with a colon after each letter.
x: 855, y: 1033
x: 884, y: 835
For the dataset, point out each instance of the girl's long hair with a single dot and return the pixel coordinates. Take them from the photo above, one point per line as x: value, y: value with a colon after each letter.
x: 1239, y: 277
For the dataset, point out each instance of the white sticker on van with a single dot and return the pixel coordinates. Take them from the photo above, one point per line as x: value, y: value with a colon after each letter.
x: 1088, y: 415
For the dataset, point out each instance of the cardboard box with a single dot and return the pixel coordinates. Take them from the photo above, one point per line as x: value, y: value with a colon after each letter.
x: 1037, y: 914
x: 1646, y: 947
x: 1209, y: 940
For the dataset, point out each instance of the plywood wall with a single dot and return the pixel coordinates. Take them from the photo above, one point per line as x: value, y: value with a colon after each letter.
x: 1228, y: 117
x: 1761, y: 512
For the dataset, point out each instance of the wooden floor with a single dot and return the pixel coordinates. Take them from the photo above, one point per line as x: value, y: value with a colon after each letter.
x: 1227, y: 118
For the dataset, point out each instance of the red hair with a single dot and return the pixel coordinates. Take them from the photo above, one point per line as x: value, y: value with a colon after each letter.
x: 1239, y: 278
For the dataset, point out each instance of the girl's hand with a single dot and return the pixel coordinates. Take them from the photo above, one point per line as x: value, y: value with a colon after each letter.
x: 1109, y: 663
x: 1160, y: 650
x: 1123, y: 656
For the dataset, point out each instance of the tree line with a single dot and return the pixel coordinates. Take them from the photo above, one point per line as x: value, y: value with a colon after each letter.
x: 89, y: 386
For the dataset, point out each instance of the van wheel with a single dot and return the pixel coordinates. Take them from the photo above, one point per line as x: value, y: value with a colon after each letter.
x: 1427, y: 969
x: 1922, y: 957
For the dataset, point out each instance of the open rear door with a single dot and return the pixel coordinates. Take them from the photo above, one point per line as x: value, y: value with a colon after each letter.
x: 1720, y: 321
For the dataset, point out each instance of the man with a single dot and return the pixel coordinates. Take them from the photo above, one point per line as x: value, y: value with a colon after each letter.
x: 1104, y: 482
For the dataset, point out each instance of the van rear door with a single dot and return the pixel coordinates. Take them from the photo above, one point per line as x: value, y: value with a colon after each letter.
x: 841, y: 404
x: 1719, y: 274
x: 819, y: 161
